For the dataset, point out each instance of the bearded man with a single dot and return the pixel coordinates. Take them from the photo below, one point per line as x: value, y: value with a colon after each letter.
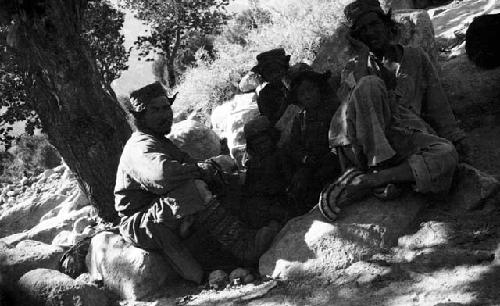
x: 395, y: 124
x: 161, y: 193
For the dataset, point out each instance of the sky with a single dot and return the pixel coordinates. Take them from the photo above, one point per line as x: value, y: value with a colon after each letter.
x: 139, y: 73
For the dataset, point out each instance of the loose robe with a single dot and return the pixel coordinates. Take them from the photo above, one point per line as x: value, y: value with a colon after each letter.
x: 157, y: 186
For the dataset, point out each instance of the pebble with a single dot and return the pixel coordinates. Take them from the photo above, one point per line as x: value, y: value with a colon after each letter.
x: 24, y: 181
x: 218, y: 279
x: 240, y: 275
x: 60, y: 168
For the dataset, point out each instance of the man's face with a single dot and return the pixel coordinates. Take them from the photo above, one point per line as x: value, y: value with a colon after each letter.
x: 158, y: 116
x: 308, y: 95
x: 373, y: 31
x: 273, y: 72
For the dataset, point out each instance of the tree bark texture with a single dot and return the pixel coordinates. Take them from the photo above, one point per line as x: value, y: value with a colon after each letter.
x: 83, y: 120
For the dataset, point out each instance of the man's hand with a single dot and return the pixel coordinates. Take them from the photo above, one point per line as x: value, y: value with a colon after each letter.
x: 213, y: 175
x: 362, y: 51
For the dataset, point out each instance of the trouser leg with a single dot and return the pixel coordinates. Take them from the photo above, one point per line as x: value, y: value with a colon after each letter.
x: 361, y: 121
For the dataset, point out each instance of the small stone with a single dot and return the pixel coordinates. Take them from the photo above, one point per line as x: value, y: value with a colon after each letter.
x: 238, y: 275
x: 85, y: 278
x: 249, y: 279
x: 82, y: 223
x: 88, y: 231
x: 236, y: 282
x: 11, y: 193
x: 218, y: 279
x: 24, y: 181
x: 54, y: 176
x: 59, y: 169
x: 46, y: 174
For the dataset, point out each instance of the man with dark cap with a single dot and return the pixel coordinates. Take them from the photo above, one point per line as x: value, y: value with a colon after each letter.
x: 387, y: 91
x: 161, y: 192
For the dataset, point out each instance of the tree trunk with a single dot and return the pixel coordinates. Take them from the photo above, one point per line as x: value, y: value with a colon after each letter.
x: 171, y: 73
x: 171, y: 59
x: 82, y: 119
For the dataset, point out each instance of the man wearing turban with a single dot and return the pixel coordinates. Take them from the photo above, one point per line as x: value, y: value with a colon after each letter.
x: 395, y: 123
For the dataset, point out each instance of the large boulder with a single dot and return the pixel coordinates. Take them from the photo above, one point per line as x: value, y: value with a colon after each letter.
x: 229, y: 119
x: 51, y: 287
x: 473, y: 92
x: 195, y: 138
x: 25, y: 256
x: 310, y: 244
x: 482, y: 44
x: 130, y: 272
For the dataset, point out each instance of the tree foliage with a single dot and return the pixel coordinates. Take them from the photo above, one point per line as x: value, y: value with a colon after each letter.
x: 13, y: 98
x: 80, y: 115
x: 101, y: 29
x: 175, y: 25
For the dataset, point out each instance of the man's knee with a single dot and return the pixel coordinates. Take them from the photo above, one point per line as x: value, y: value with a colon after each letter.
x: 434, y: 166
x: 371, y: 95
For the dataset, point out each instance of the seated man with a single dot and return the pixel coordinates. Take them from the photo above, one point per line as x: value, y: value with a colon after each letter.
x: 160, y: 193
x: 387, y: 93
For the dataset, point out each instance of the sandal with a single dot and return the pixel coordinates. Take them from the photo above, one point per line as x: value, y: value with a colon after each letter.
x: 333, y: 197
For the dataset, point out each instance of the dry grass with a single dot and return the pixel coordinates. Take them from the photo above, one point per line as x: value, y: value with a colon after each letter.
x: 297, y: 26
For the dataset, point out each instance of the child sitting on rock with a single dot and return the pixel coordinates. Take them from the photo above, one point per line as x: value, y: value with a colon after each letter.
x: 267, y: 175
x: 315, y: 164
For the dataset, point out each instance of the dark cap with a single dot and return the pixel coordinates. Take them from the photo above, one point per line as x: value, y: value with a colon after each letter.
x: 354, y: 10
x: 277, y: 55
x: 140, y: 98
